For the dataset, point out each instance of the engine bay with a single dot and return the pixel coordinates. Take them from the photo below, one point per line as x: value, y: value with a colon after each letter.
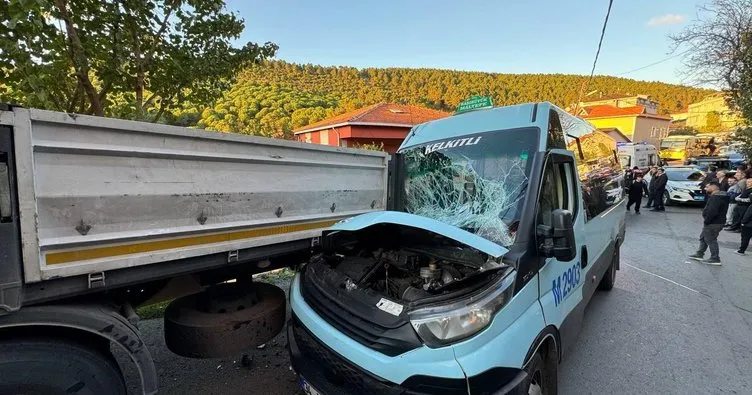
x: 404, y: 264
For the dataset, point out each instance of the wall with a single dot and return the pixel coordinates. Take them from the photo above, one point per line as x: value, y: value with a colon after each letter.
x: 625, y: 124
x: 698, y: 113
x: 350, y: 136
x: 651, y: 130
x: 651, y: 106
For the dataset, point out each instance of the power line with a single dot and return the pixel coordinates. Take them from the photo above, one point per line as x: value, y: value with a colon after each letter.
x: 600, y: 42
x: 654, y: 63
x: 584, y: 88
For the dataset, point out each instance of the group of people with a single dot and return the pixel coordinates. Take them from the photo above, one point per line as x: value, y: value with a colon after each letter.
x: 728, y: 205
x: 637, y: 188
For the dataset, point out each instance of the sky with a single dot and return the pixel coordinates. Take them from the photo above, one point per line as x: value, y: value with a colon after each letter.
x: 507, y: 36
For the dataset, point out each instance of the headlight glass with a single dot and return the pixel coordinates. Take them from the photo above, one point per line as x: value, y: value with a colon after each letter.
x: 441, y: 325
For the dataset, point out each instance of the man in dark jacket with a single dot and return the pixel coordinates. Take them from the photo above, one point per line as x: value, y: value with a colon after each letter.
x: 710, y: 176
x: 746, y: 231
x: 635, y: 191
x: 714, y: 216
x: 661, y: 179
x: 720, y: 175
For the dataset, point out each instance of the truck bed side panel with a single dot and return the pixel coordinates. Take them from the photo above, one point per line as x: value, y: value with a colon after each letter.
x: 111, y: 194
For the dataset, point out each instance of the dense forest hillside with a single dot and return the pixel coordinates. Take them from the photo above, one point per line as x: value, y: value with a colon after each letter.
x: 274, y: 98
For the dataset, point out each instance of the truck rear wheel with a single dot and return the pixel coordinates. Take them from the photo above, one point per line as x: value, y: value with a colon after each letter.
x: 224, y: 320
x: 54, y: 366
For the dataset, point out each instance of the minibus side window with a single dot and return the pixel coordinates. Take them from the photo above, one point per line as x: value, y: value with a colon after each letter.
x: 556, y: 191
x: 555, y: 132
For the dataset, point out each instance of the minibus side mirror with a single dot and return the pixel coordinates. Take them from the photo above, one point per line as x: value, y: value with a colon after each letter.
x: 557, y: 241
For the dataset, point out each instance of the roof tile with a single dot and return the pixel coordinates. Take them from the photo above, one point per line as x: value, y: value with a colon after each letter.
x: 383, y: 113
x: 604, y: 110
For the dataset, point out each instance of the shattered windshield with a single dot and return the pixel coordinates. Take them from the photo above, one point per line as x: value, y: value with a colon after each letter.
x: 476, y: 182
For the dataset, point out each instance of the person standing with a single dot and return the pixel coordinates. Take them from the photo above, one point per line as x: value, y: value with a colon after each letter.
x: 743, y: 201
x: 720, y: 176
x: 734, y: 190
x: 660, y: 189
x: 746, y: 231
x: 651, y: 187
x: 709, y: 176
x: 735, y: 216
x: 635, y: 192
x: 714, y: 216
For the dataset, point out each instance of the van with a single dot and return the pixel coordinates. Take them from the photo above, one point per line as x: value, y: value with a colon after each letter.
x: 504, y: 223
x: 643, y: 156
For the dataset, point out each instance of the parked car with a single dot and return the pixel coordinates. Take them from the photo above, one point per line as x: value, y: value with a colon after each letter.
x: 732, y: 153
x: 705, y: 162
x: 683, y: 185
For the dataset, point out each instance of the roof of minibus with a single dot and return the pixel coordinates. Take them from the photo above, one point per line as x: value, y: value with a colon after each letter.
x: 479, y: 121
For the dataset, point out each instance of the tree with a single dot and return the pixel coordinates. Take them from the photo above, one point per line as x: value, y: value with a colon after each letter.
x: 683, y: 131
x: 718, y: 49
x: 136, y: 58
x: 744, y: 135
x: 298, y: 95
x: 713, y: 122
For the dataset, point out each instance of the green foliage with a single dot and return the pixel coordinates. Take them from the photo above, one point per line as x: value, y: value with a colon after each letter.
x: 745, y: 137
x: 713, y: 122
x: 719, y: 44
x: 297, y: 95
x: 129, y: 59
x: 269, y: 110
x: 684, y: 131
x: 445, y: 89
x: 370, y: 146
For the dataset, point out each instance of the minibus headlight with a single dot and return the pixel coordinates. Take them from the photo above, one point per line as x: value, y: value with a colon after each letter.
x: 441, y: 325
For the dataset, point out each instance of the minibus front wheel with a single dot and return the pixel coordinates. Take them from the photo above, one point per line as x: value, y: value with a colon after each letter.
x: 541, y: 376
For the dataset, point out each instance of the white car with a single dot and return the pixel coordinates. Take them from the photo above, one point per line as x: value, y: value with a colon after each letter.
x: 683, y: 185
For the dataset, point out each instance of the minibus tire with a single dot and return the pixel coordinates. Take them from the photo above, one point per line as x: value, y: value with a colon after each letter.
x: 609, y: 279
x: 52, y: 365
x: 540, y: 379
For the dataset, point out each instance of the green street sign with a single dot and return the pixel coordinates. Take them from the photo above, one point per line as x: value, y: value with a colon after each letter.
x: 474, y: 103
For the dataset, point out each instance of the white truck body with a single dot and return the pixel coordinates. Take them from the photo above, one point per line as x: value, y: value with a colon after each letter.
x: 640, y: 155
x: 98, y: 194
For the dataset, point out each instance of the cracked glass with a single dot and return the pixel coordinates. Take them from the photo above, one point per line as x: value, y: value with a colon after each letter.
x: 477, y: 182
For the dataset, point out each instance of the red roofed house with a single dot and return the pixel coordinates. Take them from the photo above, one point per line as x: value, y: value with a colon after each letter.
x: 637, y: 122
x: 621, y: 101
x: 376, y: 124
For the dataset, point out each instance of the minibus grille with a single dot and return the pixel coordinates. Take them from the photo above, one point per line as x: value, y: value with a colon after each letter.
x: 388, y: 341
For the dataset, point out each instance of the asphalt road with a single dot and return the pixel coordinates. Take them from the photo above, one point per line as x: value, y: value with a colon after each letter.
x: 668, y: 327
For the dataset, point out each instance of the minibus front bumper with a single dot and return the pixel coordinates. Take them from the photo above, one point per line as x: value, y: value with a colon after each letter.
x: 329, y: 373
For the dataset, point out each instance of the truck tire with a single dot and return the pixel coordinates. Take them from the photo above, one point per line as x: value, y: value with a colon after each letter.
x: 54, y: 366
x: 224, y: 321
x: 609, y: 279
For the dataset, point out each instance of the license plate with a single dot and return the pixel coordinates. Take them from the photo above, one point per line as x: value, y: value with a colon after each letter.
x: 308, y: 388
x: 700, y: 198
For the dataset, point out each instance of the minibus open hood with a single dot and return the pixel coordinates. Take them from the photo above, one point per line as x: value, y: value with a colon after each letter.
x: 431, y: 225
